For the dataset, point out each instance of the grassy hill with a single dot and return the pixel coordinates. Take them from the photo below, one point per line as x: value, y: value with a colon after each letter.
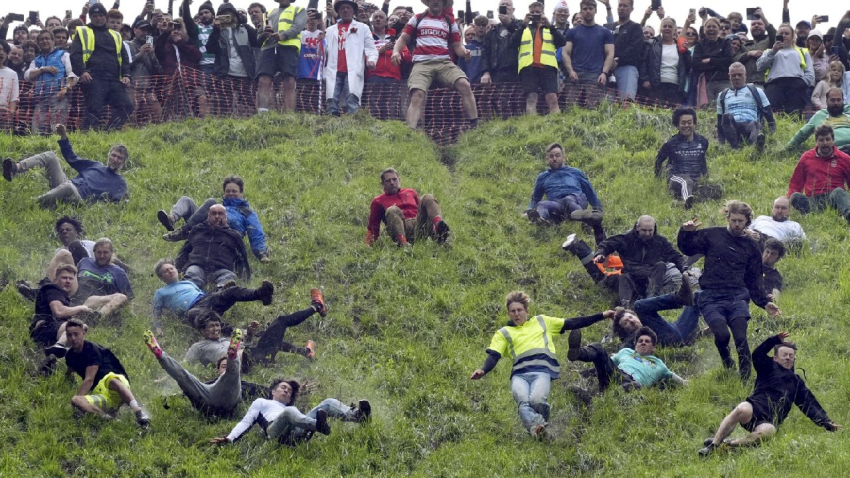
x: 408, y: 326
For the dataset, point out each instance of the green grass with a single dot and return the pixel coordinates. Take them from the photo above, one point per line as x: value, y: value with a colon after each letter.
x: 408, y: 326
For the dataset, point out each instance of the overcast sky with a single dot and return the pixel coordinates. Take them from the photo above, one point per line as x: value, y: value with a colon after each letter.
x: 678, y: 9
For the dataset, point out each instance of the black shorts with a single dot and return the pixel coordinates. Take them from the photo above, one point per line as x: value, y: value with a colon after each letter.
x: 761, y: 414
x: 45, y: 334
x: 280, y: 59
x: 535, y: 79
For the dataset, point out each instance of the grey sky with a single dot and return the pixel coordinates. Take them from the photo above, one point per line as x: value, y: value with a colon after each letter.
x: 677, y: 9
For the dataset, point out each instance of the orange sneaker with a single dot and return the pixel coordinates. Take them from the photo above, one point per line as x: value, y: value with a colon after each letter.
x: 318, y: 301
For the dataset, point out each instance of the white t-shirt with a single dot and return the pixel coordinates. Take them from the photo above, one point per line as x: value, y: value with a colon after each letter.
x: 670, y: 64
x: 9, y: 87
x: 785, y: 231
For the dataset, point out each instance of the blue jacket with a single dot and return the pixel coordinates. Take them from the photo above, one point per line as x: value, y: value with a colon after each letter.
x: 48, y: 84
x: 558, y: 183
x: 95, y: 179
x: 244, y: 220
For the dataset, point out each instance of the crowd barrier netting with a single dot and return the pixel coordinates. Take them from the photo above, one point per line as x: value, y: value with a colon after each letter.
x: 189, y: 93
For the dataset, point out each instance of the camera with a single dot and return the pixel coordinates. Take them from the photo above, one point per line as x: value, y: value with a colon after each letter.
x: 149, y: 40
x: 503, y: 9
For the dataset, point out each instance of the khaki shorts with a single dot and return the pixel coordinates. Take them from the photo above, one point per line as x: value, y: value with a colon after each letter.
x: 103, y: 397
x: 424, y: 73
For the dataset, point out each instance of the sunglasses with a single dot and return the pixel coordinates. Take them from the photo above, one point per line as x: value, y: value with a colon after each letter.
x: 691, y: 34
x: 725, y: 28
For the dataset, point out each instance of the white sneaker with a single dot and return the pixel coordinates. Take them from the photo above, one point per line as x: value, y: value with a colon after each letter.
x: 571, y: 239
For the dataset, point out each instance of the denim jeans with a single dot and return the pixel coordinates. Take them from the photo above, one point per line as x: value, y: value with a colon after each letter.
x: 186, y: 208
x: 531, y: 392
x: 199, y: 276
x: 669, y: 335
x: 352, y: 102
x: 292, y: 426
x: 627, y: 81
x: 560, y: 209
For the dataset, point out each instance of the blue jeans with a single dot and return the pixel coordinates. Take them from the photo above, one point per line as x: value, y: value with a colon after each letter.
x: 352, y: 102
x: 669, y: 335
x: 292, y: 426
x: 531, y: 392
x: 627, y: 81
x: 199, y: 276
x: 560, y: 209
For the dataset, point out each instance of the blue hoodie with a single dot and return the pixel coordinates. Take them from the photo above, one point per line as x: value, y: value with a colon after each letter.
x: 244, y: 220
x: 561, y: 182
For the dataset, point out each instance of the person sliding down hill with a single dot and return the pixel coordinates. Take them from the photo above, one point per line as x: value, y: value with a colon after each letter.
x: 406, y: 217
x: 530, y: 345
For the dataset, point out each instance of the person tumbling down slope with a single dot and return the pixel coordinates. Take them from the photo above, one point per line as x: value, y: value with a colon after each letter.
x: 532, y: 350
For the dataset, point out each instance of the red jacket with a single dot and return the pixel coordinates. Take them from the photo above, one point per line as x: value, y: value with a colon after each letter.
x: 818, y: 175
x: 385, y: 68
x: 406, y: 199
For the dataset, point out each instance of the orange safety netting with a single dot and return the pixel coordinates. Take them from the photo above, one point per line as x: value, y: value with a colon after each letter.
x: 192, y: 94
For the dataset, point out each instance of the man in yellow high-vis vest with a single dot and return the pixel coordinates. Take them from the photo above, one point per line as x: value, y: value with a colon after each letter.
x: 99, y: 59
x: 281, y: 40
x: 528, y: 341
x: 538, y: 40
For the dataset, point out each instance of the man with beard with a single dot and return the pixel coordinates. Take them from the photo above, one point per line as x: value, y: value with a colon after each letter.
x: 731, y: 278
x: 213, y: 252
x: 778, y: 226
x: 821, y: 176
x: 836, y: 115
x: 764, y: 36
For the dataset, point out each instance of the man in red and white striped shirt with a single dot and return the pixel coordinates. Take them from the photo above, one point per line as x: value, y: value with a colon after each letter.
x: 435, y: 32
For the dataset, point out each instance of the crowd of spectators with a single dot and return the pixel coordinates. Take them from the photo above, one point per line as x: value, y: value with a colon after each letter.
x: 240, y: 62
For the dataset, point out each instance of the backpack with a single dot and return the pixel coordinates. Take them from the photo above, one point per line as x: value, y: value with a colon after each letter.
x: 753, y: 91
x: 419, y: 16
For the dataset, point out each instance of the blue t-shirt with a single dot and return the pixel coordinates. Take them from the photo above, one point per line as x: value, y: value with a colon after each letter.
x: 588, y: 54
x: 176, y: 298
x: 741, y: 104
x: 472, y: 67
x: 645, y: 369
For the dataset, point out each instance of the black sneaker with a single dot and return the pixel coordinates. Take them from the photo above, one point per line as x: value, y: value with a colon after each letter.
x: 266, y: 292
x: 689, y: 202
x: 760, y: 142
x: 10, y: 169
x: 364, y: 411
x: 441, y: 231
x: 165, y: 220
x: 685, y: 295
x: 574, y: 342
x: 707, y: 450
x: 175, y: 236
x: 26, y: 290
x: 58, y: 350
x: 322, y: 422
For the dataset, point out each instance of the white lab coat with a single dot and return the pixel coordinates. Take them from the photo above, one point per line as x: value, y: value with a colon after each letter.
x: 359, y: 48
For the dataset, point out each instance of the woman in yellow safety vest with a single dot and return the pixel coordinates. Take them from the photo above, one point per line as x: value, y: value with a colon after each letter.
x: 529, y: 343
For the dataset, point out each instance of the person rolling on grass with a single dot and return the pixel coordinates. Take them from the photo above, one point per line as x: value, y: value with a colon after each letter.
x: 95, y: 181
x: 732, y: 276
x: 777, y: 388
x: 220, y: 396
x: 213, y: 346
x: 102, y: 285
x: 105, y: 386
x: 185, y: 300
x: 282, y: 421
x: 568, y: 193
x: 406, y: 217
x: 532, y: 350
x: 633, y: 369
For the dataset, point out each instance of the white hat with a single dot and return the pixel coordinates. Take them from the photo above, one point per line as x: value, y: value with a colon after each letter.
x: 562, y: 4
x: 815, y: 33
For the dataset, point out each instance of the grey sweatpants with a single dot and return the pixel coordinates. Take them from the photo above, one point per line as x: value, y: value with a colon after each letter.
x: 224, y: 394
x: 61, y: 188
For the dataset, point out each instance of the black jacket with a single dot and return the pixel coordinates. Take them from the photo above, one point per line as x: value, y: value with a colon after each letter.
x: 730, y: 261
x: 639, y: 256
x: 684, y: 158
x: 720, y: 54
x: 629, y: 44
x: 654, y: 49
x: 497, y: 54
x: 217, y: 45
x: 103, y: 63
x: 214, y: 248
x: 778, y: 388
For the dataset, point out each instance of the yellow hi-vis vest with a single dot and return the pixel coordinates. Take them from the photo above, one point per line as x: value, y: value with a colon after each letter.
x: 526, y: 50
x: 802, y: 62
x: 284, y: 22
x: 530, y: 345
x: 86, y: 35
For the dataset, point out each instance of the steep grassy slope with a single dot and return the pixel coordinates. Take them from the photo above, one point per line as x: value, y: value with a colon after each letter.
x: 408, y: 326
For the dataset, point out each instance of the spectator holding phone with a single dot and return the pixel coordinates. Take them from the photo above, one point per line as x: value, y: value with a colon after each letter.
x: 145, y: 65
x: 310, y: 57
x: 199, y: 32
x: 173, y: 48
x: 474, y: 42
x: 99, y: 59
x: 764, y: 36
x: 537, y: 40
x: 498, y: 58
x: 53, y: 77
x: 816, y: 49
x: 233, y: 45
x: 788, y: 73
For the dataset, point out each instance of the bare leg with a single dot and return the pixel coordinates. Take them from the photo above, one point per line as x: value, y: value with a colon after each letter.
x: 61, y: 258
x: 467, y: 99
x: 289, y: 93
x: 552, y: 103
x: 264, y: 91
x: 765, y: 430
x: 417, y: 99
x: 740, y: 415
x: 80, y: 403
x: 106, y: 304
x: 531, y: 104
x: 125, y: 393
